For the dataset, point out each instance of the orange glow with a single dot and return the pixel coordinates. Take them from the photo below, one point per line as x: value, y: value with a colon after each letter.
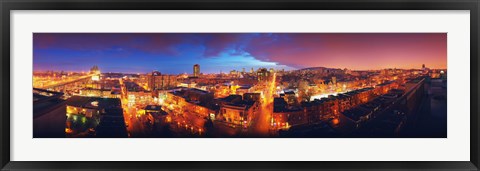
x: 68, y: 130
x: 335, y: 121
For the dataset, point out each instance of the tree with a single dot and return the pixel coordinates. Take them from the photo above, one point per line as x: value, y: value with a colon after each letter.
x: 304, y: 92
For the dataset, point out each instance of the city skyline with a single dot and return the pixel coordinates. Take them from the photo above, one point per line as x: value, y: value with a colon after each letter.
x: 222, y: 52
x: 285, y: 85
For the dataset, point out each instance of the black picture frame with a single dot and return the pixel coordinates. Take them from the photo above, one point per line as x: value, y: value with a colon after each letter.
x: 5, y: 77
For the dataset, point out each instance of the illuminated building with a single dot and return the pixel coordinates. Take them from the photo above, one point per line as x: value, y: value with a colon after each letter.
x: 191, y: 101
x: 312, y: 110
x: 90, y: 106
x: 143, y: 80
x: 234, y: 110
x: 157, y: 114
x: 361, y: 96
x: 290, y: 97
x: 360, y: 114
x: 95, y: 70
x: 194, y: 94
x: 252, y: 97
x: 331, y: 107
x: 96, y: 73
x: 84, y: 114
x: 285, y: 116
x: 137, y: 95
x: 107, y: 93
x: 235, y: 74
x: 225, y: 89
x: 157, y: 81
x: 95, y: 77
x: 48, y: 114
x: 203, y: 110
x: 238, y: 112
x: 196, y: 70
x: 103, y: 88
x: 131, y: 100
x: 356, y: 116
x: 385, y: 87
x: 344, y: 102
x: 263, y: 74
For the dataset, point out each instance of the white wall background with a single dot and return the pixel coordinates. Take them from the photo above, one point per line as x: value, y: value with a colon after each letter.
x: 453, y: 148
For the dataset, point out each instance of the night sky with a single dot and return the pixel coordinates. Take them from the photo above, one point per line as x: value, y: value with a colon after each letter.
x: 174, y: 53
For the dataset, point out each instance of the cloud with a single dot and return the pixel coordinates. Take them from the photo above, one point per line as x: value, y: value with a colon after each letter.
x: 144, y: 42
x: 297, y: 50
x: 358, y: 51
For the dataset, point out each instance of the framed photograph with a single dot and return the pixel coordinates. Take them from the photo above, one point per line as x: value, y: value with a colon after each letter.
x: 278, y: 85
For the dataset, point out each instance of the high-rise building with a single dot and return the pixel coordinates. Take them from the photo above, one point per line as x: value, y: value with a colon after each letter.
x: 196, y: 70
x: 159, y: 81
x: 96, y: 73
x: 95, y: 70
x: 262, y: 74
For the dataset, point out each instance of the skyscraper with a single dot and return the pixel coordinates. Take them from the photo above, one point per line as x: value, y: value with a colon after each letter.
x: 196, y: 70
x: 262, y: 74
x: 94, y: 70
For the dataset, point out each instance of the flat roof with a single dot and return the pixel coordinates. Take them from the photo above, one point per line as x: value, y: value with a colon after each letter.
x: 231, y: 98
x: 93, y: 102
x: 45, y: 101
x: 153, y: 107
x: 279, y: 104
x: 356, y: 113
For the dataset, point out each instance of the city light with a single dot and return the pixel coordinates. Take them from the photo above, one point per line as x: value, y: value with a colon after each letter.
x: 247, y: 88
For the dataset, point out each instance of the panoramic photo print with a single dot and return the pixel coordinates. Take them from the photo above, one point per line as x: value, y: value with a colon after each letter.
x: 239, y: 85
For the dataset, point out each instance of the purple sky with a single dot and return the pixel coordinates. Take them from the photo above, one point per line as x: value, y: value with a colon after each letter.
x: 175, y: 53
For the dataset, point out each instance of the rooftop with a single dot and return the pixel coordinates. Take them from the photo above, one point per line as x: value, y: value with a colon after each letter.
x: 279, y: 105
x: 245, y: 87
x: 45, y: 101
x: 93, y: 102
x: 112, y: 124
x: 356, y: 113
x: 231, y: 98
x: 385, y: 83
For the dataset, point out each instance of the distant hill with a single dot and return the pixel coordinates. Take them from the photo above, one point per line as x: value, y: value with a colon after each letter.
x: 319, y: 68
